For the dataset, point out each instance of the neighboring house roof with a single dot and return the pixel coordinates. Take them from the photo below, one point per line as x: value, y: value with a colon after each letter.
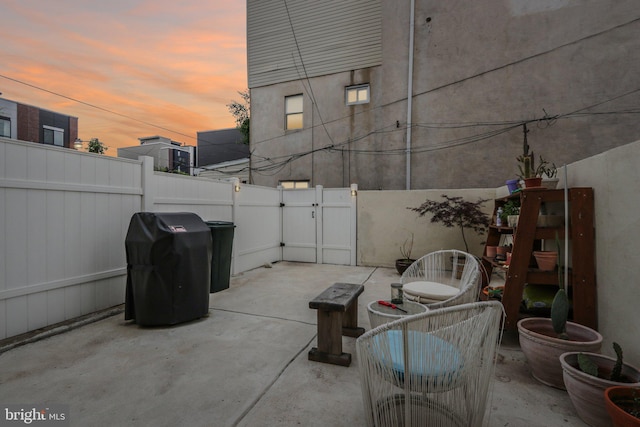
x: 226, y: 171
x: 218, y: 146
x: 226, y: 164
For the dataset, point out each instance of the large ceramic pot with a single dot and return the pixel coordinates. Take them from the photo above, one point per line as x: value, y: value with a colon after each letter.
x: 587, y: 392
x: 542, y: 348
x: 618, y: 400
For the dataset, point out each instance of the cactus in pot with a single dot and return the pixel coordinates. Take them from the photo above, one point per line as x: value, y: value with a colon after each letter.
x: 560, y: 304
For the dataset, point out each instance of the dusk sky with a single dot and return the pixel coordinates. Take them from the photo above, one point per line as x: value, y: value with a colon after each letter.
x: 171, y: 64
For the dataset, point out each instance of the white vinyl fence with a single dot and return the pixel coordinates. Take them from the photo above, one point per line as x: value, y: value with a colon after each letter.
x: 64, y: 217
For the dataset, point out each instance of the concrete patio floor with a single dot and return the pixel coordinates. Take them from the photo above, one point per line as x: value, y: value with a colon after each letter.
x: 245, y: 364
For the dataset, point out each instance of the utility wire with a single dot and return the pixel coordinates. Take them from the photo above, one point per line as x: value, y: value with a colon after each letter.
x: 304, y: 69
x: 96, y: 106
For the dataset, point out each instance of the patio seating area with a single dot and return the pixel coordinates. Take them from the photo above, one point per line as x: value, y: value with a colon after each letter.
x: 245, y: 364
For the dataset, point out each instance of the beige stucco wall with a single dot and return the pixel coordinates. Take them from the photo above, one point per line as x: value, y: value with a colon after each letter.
x: 384, y: 223
x: 613, y: 176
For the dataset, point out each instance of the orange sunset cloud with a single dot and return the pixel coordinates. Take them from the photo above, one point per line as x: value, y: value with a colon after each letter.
x: 138, y: 68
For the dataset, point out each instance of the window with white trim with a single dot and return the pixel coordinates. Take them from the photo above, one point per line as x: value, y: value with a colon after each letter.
x: 357, y: 94
x: 5, y: 127
x: 293, y: 112
x: 53, y: 136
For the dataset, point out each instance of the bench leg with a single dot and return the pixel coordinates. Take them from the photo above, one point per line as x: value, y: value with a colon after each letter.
x: 329, y: 348
x: 350, y: 321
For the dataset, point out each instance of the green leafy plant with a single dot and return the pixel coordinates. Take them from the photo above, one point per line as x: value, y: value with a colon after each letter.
x: 457, y: 212
x: 511, y: 207
x: 588, y: 366
x: 241, y: 112
x: 96, y: 146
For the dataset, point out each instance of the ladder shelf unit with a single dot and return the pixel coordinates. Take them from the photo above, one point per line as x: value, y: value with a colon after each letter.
x: 528, y: 237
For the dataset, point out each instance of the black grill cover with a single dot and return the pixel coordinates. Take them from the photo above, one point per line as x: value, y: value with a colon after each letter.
x: 168, y: 268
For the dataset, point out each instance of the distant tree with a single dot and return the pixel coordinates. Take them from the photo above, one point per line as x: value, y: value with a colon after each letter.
x: 95, y: 146
x: 241, y: 112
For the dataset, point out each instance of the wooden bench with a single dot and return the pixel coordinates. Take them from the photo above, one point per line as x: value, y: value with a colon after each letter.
x: 337, y: 315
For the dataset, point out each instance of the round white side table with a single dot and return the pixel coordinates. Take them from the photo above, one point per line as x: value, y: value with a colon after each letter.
x: 380, y: 314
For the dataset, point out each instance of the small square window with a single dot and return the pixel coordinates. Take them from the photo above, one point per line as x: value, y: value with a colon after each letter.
x: 53, y: 136
x: 293, y: 112
x: 357, y: 94
x: 294, y: 185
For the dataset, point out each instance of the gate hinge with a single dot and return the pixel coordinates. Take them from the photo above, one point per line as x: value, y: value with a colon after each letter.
x: 281, y: 205
x: 281, y: 244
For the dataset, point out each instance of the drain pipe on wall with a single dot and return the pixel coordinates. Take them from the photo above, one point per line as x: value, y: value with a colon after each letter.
x: 410, y: 93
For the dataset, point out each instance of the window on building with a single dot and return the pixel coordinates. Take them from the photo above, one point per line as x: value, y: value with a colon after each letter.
x: 357, y: 94
x: 294, y: 185
x: 293, y: 112
x: 53, y: 136
x: 5, y: 127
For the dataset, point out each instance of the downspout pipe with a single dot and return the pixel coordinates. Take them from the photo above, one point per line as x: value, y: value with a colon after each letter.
x: 410, y: 93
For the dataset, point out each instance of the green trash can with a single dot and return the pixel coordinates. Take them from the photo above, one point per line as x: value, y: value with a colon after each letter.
x: 222, y: 238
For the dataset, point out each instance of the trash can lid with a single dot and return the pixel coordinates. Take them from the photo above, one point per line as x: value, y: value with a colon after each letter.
x: 219, y: 224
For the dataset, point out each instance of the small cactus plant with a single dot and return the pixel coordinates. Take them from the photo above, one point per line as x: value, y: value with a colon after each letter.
x: 616, y: 373
x: 560, y: 304
x: 588, y: 366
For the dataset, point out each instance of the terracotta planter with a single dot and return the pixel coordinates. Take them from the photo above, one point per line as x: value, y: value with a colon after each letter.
x: 403, y: 264
x: 587, y: 392
x: 546, y: 260
x: 542, y: 349
x: 533, y: 182
x: 619, y: 398
x: 491, y: 251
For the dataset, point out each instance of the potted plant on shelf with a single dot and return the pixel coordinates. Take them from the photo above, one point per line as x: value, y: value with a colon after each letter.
x: 510, y: 212
x: 529, y: 172
x: 588, y: 375
x: 544, y: 340
x: 405, y: 251
x: 623, y: 405
x: 532, y: 174
x: 550, y: 176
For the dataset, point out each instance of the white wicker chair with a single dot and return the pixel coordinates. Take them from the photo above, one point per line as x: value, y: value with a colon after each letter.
x: 441, y: 269
x: 450, y: 353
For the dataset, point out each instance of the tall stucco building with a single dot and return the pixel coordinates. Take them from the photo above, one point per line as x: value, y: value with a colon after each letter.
x: 414, y: 94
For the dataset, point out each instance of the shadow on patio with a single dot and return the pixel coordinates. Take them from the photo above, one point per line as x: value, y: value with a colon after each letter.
x: 243, y: 365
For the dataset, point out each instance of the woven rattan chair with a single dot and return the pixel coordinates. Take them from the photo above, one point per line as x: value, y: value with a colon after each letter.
x: 442, y: 279
x: 450, y: 355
